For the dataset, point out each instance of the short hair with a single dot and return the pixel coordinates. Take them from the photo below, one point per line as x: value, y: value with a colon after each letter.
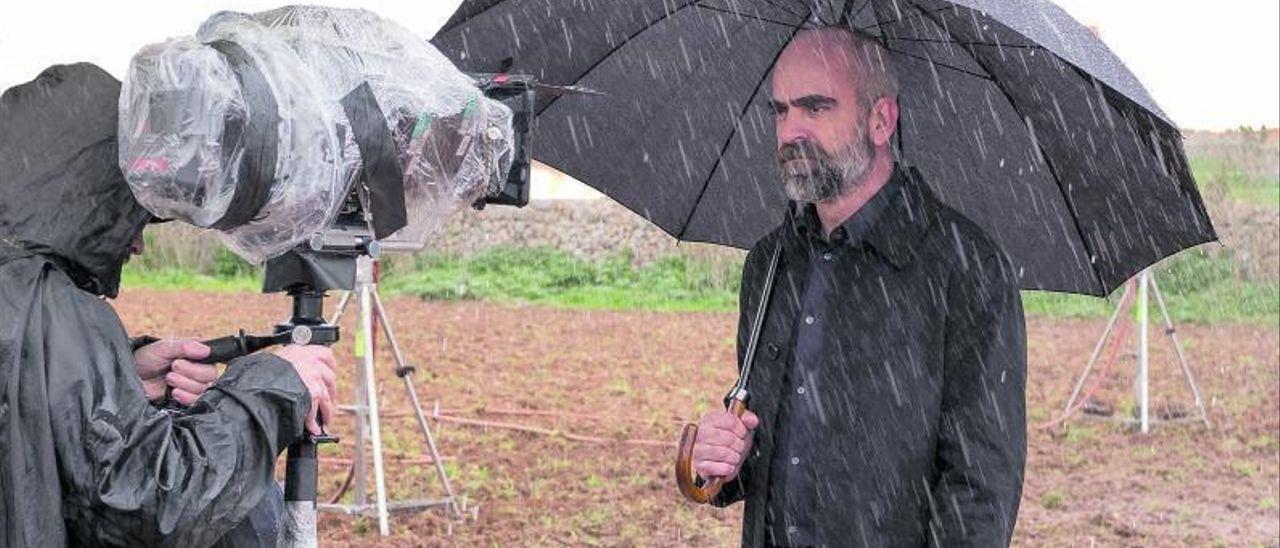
x: 877, y: 76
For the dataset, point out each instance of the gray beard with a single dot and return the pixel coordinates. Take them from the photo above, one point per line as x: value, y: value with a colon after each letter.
x: 829, y: 177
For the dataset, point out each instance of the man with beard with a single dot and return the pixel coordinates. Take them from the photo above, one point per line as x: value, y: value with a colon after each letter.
x: 86, y: 457
x: 887, y: 396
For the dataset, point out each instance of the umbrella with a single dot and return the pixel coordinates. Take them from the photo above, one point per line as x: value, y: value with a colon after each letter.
x: 1017, y: 116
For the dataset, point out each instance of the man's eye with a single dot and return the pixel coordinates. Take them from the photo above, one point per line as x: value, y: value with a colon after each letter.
x: 816, y: 109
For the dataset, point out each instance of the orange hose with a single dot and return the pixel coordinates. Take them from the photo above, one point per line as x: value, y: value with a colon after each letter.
x: 1096, y: 382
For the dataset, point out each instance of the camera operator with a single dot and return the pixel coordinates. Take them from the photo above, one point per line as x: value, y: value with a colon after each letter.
x: 86, y: 458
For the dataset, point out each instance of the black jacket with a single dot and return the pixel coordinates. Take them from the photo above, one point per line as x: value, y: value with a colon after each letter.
x: 84, y: 459
x: 924, y: 442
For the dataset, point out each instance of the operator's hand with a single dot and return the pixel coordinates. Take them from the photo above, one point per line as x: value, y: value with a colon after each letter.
x: 723, y: 443
x: 315, y: 365
x: 164, y: 364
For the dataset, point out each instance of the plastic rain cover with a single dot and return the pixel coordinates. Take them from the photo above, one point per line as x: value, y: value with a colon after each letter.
x: 187, y: 140
x: 454, y: 144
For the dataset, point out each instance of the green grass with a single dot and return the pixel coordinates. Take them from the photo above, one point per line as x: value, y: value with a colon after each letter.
x: 1197, y: 287
x: 1053, y: 498
x: 554, y: 278
x: 1216, y: 173
x: 175, y: 279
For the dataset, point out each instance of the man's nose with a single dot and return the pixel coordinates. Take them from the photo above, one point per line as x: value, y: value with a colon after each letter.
x: 791, y: 130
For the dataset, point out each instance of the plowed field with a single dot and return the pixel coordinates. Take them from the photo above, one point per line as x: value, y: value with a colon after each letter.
x: 607, y: 392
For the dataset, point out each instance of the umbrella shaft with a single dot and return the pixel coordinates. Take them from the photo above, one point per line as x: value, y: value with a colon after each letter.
x: 739, y: 391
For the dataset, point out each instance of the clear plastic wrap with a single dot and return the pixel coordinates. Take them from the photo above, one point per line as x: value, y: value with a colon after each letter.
x: 183, y: 114
x: 176, y: 163
x: 188, y: 108
x: 455, y: 144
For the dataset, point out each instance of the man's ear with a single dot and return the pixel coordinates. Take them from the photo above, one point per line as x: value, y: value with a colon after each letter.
x: 883, y: 121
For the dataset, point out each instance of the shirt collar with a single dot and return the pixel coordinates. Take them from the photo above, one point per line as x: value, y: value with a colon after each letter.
x: 891, y: 222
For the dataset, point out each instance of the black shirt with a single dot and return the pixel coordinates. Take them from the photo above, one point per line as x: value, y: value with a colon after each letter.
x: 792, y: 501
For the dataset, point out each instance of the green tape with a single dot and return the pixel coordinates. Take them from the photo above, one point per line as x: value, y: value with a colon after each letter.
x: 424, y: 122
x: 361, y: 340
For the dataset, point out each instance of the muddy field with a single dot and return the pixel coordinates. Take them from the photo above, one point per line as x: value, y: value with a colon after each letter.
x: 626, y: 380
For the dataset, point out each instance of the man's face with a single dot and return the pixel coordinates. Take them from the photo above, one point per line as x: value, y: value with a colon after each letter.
x: 821, y: 125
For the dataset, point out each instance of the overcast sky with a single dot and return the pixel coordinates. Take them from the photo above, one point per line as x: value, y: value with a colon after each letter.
x: 1210, y: 65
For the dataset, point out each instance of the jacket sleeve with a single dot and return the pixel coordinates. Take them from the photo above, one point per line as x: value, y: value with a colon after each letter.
x: 135, y: 475
x: 982, y: 432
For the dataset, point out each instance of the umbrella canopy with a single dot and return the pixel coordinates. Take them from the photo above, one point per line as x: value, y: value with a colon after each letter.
x: 1017, y: 116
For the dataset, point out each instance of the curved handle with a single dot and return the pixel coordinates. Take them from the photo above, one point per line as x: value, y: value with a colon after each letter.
x: 686, y: 477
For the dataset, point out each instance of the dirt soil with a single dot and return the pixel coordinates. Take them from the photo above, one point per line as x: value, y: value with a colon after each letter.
x: 637, y: 375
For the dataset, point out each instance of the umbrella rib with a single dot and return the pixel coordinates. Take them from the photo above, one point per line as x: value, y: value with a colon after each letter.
x: 880, y: 24
x: 884, y: 41
x: 470, y: 17
x: 734, y: 131
x: 743, y: 15
x: 849, y: 17
x: 957, y: 42
x: 615, y: 49
x: 1075, y: 217
x: 776, y: 5
x: 940, y: 64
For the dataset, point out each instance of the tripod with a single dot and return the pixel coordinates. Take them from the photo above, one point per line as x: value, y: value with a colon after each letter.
x: 1143, y: 284
x: 366, y: 409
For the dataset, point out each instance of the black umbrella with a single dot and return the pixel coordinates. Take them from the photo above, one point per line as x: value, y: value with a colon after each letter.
x: 1017, y: 116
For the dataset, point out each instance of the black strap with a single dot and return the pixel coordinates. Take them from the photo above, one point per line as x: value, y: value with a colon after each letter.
x: 382, y: 173
x: 260, y: 138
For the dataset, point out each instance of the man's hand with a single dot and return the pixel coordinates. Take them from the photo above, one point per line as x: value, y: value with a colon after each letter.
x: 163, y: 364
x: 315, y: 365
x: 723, y: 443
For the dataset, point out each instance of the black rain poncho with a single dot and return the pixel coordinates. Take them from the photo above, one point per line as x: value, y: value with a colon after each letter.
x: 85, y: 460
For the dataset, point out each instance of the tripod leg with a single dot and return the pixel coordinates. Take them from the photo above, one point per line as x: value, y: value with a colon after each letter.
x: 359, y: 468
x: 371, y: 397
x: 342, y: 307
x: 1172, y: 332
x: 406, y: 374
x: 1097, y: 350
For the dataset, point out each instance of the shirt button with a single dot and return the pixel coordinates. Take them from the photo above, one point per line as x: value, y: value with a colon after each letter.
x: 791, y: 530
x: 795, y: 460
x: 808, y: 320
x: 800, y: 390
x: 826, y: 256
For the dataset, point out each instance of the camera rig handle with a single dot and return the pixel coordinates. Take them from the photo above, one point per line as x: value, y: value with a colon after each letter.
x: 225, y: 349
x: 305, y: 326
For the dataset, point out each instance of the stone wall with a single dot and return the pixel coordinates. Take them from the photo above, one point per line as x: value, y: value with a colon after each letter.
x: 589, y: 229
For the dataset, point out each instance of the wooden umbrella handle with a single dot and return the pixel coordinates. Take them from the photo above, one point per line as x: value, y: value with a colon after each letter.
x: 686, y: 477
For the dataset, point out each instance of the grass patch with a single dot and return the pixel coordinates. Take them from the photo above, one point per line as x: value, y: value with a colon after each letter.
x: 1219, y: 175
x: 555, y: 278
x: 175, y: 279
x: 1080, y: 434
x: 1243, y: 468
x: 1053, y: 498
x: 1198, y: 287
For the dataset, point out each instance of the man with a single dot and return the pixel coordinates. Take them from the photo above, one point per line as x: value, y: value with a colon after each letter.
x: 85, y: 458
x: 887, y: 404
